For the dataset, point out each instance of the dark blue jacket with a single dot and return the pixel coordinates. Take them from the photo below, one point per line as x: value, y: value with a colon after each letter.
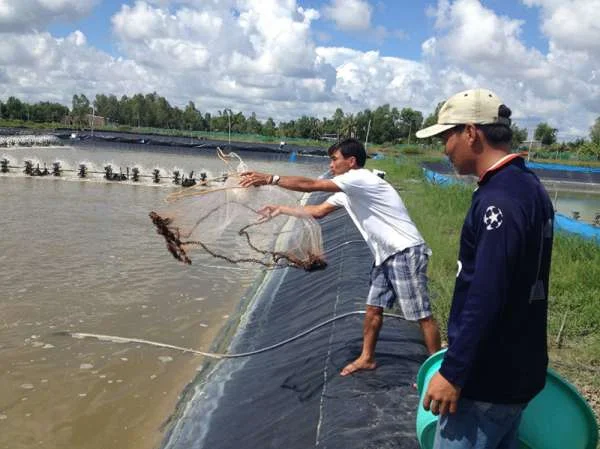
x: 497, y: 327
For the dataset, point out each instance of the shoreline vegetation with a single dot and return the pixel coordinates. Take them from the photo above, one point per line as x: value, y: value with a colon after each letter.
x: 574, y: 305
x: 557, y: 153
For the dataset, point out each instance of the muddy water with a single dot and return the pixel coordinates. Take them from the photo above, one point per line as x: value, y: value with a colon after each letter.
x: 82, y: 256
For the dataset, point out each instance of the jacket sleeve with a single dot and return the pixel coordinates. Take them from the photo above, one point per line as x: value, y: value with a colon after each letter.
x: 499, y: 229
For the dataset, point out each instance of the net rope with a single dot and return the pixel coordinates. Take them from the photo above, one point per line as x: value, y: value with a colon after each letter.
x: 224, y: 220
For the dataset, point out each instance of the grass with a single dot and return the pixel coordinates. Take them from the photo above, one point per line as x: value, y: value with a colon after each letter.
x: 574, y: 282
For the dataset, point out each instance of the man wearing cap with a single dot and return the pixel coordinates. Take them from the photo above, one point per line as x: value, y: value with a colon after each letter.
x: 497, y: 355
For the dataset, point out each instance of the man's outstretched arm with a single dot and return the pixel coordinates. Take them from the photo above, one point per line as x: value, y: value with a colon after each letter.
x: 296, y: 183
x: 316, y: 210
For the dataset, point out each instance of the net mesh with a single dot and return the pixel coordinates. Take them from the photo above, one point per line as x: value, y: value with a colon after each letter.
x: 225, y: 221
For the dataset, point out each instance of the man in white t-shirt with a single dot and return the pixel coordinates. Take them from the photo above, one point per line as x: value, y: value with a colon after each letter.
x: 401, y: 255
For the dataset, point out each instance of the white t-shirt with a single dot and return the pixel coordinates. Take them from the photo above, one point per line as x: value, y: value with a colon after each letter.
x: 377, y: 211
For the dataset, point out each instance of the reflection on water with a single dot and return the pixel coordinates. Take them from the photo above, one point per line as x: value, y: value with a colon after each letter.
x: 585, y: 205
x: 83, y: 256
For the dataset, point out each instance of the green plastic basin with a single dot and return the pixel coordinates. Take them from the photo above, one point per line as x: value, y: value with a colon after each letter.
x: 557, y: 418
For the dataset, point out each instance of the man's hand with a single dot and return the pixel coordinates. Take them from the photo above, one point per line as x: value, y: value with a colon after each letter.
x: 252, y: 178
x: 268, y: 212
x: 442, y: 396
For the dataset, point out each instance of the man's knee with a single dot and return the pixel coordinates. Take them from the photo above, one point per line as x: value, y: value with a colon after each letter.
x: 374, y: 310
x: 374, y: 314
x: 427, y: 321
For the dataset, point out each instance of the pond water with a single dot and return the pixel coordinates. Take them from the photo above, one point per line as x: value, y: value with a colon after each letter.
x: 585, y: 205
x: 81, y: 255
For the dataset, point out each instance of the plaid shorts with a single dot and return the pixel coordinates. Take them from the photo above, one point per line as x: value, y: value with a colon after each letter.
x: 403, y: 276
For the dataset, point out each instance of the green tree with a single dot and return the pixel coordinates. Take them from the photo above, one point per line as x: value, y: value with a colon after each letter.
x: 238, y: 123
x: 349, y: 126
x: 164, y: 114
x: 410, y: 121
x: 253, y: 125
x: 47, y: 112
x: 269, y: 128
x: 220, y: 122
x: 362, y: 124
x: 288, y: 129
x: 433, y: 117
x: 125, y: 113
x: 191, y: 117
x: 15, y: 109
x: 385, y: 124
x: 80, y: 108
x: 137, y: 105
x: 337, y: 121
x: 595, y: 131
x: 308, y: 127
x: 545, y: 134
x: 519, y: 135
x: 589, y: 149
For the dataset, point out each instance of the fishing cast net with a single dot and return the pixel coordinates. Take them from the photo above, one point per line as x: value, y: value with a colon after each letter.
x: 223, y: 220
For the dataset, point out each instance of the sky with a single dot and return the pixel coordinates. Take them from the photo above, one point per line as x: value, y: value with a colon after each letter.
x: 287, y: 58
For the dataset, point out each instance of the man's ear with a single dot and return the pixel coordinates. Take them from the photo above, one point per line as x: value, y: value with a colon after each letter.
x: 475, y: 138
x: 471, y: 131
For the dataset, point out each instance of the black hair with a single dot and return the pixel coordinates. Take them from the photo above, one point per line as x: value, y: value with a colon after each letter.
x: 348, y: 148
x: 498, y: 133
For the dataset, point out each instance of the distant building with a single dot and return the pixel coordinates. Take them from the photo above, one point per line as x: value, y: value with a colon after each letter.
x: 96, y: 120
x: 531, y: 145
x: 330, y: 137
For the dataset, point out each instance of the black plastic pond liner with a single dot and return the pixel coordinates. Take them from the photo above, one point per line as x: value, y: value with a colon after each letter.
x: 187, y: 142
x: 293, y: 396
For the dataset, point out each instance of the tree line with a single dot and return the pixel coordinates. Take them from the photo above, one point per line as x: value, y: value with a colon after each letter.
x: 385, y: 124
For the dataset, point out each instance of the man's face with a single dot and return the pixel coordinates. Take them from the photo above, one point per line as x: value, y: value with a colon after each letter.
x: 456, y: 147
x: 340, y: 165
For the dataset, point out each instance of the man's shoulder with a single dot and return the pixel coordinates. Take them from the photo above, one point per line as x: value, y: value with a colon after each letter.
x: 514, y: 185
x: 494, y: 202
x: 360, y: 178
x: 352, y: 174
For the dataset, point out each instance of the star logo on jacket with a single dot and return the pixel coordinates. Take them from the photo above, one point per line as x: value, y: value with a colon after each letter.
x: 492, y: 219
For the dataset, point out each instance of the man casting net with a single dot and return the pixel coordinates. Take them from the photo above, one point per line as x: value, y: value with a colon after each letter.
x: 226, y: 221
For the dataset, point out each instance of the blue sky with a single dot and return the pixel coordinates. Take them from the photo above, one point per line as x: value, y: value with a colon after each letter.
x: 408, y: 17
x: 97, y: 26
x: 286, y: 58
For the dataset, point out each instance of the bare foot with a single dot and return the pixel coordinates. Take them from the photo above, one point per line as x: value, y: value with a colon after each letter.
x: 357, y: 365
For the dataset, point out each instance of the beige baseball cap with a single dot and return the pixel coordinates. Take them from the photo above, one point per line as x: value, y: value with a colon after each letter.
x: 477, y: 106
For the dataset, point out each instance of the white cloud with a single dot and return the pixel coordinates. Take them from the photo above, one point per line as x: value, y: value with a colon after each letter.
x: 366, y: 79
x: 356, y: 15
x: 41, y: 67
x: 260, y: 56
x: 25, y: 15
x: 263, y: 50
x: 571, y: 24
x: 474, y: 36
x: 489, y: 49
x: 574, y: 45
x: 349, y: 15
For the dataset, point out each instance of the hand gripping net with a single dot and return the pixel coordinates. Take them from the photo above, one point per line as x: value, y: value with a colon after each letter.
x: 223, y: 220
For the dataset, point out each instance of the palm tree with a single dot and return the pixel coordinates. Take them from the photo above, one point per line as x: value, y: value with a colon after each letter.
x: 349, y: 125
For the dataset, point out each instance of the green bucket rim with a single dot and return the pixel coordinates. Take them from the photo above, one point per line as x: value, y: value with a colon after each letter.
x: 587, y: 410
x: 425, y: 367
